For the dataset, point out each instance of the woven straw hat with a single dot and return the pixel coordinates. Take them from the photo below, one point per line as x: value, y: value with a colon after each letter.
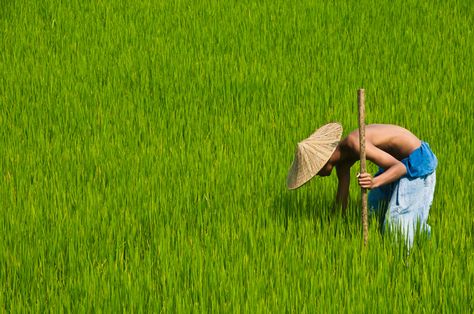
x: 313, y: 153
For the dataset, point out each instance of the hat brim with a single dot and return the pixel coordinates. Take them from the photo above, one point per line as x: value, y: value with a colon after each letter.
x: 313, y: 153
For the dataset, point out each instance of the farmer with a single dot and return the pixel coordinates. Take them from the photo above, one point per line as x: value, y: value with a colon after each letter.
x: 401, y: 192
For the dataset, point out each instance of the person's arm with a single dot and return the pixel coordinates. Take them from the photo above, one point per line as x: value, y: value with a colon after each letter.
x: 394, y: 169
x: 343, y: 176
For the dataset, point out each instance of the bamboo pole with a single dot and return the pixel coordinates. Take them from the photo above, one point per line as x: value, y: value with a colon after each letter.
x: 363, y: 168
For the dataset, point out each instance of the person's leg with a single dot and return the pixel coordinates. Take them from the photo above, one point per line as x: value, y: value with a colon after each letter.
x: 409, y: 206
x: 430, y: 183
x: 378, y: 200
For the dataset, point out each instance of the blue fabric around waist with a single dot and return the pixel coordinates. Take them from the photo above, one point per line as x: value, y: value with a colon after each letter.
x: 419, y: 163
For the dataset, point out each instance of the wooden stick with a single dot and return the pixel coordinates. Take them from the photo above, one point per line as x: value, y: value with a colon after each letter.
x: 363, y: 168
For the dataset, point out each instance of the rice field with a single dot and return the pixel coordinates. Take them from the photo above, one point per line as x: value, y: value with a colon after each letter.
x: 144, y: 150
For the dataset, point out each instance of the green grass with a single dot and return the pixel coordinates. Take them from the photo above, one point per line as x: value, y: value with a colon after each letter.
x: 144, y: 149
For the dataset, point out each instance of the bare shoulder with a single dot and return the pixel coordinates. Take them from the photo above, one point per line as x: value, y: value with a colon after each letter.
x: 349, y: 153
x: 350, y: 144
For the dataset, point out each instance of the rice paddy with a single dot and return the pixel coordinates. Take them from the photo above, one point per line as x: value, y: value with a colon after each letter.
x: 145, y: 145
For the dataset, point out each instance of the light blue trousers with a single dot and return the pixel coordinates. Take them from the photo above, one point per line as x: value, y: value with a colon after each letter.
x: 404, y: 204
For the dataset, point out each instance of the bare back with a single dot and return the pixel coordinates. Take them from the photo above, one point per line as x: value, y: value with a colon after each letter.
x: 386, y: 145
x: 393, y: 139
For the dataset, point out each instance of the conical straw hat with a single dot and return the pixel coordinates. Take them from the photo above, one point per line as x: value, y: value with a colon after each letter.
x: 313, y: 153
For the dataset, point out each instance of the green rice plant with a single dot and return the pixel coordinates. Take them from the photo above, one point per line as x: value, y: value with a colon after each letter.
x: 145, y: 145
